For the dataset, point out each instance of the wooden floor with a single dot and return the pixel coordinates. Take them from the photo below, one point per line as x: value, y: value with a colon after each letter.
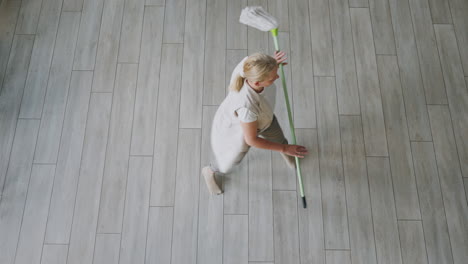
x: 105, y: 116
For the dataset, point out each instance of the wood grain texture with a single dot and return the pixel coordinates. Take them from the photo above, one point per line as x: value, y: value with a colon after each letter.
x: 174, y: 21
x: 108, y: 46
x: 303, y: 96
x: 9, y: 11
x: 459, y: 10
x: 158, y: 246
x: 53, y: 112
x: 432, y: 205
x: 320, y: 34
x: 410, y: 72
x: 235, y: 239
x: 10, y: 99
x: 85, y: 217
x: 54, y: 254
x: 33, y: 226
x: 335, y: 218
x: 457, y: 90
x: 451, y: 181
x: 261, y: 246
x: 285, y: 227
x: 191, y: 98
x: 236, y: 32
x: 148, y: 82
x: 132, y: 26
x: 185, y: 230
x: 86, y: 46
x: 167, y: 127
x: 361, y: 233
x: 368, y: 83
x: 28, y: 17
x: 413, y: 249
x: 41, y: 57
x: 16, y: 187
x: 107, y: 248
x: 382, y: 27
x: 343, y: 53
x: 404, y: 184
x: 383, y: 211
x: 135, y: 218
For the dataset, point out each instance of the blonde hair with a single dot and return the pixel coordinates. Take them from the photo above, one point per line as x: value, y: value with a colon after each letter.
x: 256, y: 69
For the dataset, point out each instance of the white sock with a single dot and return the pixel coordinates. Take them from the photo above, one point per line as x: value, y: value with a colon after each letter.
x: 210, y: 180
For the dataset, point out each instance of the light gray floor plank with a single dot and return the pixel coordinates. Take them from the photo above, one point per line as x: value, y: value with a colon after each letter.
x: 185, y: 235
x: 382, y: 27
x: 335, y: 216
x: 320, y: 33
x: 428, y: 56
x: 368, y: 83
x: 432, y: 205
x: 440, y: 12
x: 383, y: 211
x: 148, y: 82
x: 279, y: 10
x: 111, y: 207
x: 86, y: 46
x: 413, y: 248
x: 338, y: 257
x: 83, y: 233
x: 69, y: 159
x: 158, y: 247
x: 10, y: 97
x: 456, y: 89
x: 135, y: 219
x: 108, y: 46
x: 9, y: 11
x: 215, y: 44
x: 164, y: 169
x: 361, y: 232
x: 210, y: 216
x: 310, y: 219
x: 236, y: 32
x: 132, y: 26
x: 28, y: 17
x: 35, y: 214
x: 450, y: 181
x: 107, y: 249
x: 358, y: 3
x: 260, y: 206
x: 343, y: 51
x: 411, y: 82
x: 174, y: 21
x: 235, y: 239
x: 16, y: 187
x: 72, y: 5
x: 53, y: 112
x: 192, y: 73
x: 301, y: 65
x: 285, y: 218
x: 54, y: 254
x: 406, y: 196
x: 41, y: 58
x: 155, y: 2
x: 459, y: 12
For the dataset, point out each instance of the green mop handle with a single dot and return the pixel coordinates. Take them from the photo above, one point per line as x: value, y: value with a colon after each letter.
x: 274, y: 33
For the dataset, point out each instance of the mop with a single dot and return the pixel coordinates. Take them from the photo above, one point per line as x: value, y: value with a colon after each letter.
x: 257, y: 17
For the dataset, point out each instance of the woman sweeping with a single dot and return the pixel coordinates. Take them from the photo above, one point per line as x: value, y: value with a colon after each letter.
x: 245, y: 119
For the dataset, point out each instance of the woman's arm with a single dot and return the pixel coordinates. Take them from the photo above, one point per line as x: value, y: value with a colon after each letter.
x: 252, y: 139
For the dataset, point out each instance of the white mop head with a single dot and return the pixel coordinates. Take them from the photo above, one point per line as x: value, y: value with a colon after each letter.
x: 257, y: 17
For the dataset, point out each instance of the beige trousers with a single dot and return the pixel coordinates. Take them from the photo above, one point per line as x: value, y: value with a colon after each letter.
x: 273, y: 133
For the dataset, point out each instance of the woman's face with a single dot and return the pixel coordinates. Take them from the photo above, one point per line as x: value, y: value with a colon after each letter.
x: 271, y: 78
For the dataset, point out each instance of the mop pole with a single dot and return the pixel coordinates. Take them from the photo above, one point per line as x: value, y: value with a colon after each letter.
x: 274, y: 33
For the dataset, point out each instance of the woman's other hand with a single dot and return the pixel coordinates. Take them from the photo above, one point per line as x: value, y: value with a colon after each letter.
x: 295, y: 150
x: 280, y: 57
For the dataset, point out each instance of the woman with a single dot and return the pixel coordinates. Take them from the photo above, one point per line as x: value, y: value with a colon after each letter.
x: 245, y: 119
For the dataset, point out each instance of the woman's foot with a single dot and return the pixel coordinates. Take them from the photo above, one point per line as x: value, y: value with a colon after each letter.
x: 210, y: 180
x: 290, y: 160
